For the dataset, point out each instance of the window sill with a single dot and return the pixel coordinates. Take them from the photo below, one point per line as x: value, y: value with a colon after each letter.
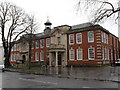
x: 91, y: 59
x: 71, y: 44
x: 36, y: 60
x: 79, y: 59
x: 41, y: 60
x: 90, y: 42
x: 71, y: 60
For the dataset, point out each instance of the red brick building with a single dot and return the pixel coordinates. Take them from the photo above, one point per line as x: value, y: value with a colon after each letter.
x: 84, y: 44
x: 92, y: 45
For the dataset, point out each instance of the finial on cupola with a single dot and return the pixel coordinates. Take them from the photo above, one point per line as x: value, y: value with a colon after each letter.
x: 48, y: 23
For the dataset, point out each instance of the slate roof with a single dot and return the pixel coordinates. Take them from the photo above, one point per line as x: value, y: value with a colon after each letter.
x: 86, y: 27
x: 75, y: 28
x: 82, y: 25
x: 35, y: 36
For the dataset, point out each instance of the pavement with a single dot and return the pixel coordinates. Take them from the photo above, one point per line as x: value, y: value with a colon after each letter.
x: 105, y: 73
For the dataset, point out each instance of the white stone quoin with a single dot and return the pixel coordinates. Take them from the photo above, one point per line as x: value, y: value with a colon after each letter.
x: 1, y: 55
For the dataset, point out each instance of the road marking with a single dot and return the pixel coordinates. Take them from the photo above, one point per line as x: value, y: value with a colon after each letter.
x: 37, y: 81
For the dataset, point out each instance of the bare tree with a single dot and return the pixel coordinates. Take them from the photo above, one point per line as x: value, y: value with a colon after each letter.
x: 32, y: 29
x: 13, y: 23
x: 100, y: 9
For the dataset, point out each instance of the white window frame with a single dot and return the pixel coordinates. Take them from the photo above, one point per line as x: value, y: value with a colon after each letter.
x: 81, y: 54
x: 15, y: 47
x: 70, y: 39
x: 17, y: 56
x: 111, y: 54
x: 103, y: 53
x: 104, y: 40
x: 12, y: 57
x: 106, y: 53
x: 41, y: 46
x: 37, y: 44
x: 12, y: 48
x: 102, y: 37
x: 79, y: 37
x: 115, y: 55
x: 42, y: 56
x: 32, y: 45
x: 70, y: 55
x: 18, y: 46
x: 89, y: 53
x: 47, y: 42
x: 36, y: 56
x: 89, y: 38
x: 32, y: 54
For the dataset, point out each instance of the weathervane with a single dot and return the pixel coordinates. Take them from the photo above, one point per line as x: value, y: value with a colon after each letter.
x: 48, y: 18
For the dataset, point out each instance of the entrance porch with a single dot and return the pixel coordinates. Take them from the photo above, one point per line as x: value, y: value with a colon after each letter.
x: 57, y: 55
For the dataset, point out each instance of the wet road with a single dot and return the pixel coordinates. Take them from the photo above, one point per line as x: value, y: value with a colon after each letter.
x: 99, y: 73
x: 18, y: 80
x: 0, y: 80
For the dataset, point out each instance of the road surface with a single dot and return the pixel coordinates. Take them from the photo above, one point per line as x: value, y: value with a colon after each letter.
x: 19, y: 80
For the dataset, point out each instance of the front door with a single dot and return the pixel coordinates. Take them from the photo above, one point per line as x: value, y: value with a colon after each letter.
x: 59, y: 59
x: 24, y: 57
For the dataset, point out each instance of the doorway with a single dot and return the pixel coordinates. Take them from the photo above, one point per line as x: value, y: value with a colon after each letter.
x: 59, y: 59
x: 24, y: 57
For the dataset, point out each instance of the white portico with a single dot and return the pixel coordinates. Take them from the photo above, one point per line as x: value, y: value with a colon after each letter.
x: 58, y: 47
x: 57, y: 55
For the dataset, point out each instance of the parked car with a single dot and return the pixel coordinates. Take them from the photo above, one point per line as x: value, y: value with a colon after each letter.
x: 117, y: 63
x: 20, y: 61
x: 2, y: 68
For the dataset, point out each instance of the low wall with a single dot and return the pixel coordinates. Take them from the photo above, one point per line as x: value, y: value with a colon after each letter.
x: 85, y: 63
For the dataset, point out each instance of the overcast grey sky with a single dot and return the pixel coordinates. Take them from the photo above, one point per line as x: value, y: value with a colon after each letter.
x: 60, y: 12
